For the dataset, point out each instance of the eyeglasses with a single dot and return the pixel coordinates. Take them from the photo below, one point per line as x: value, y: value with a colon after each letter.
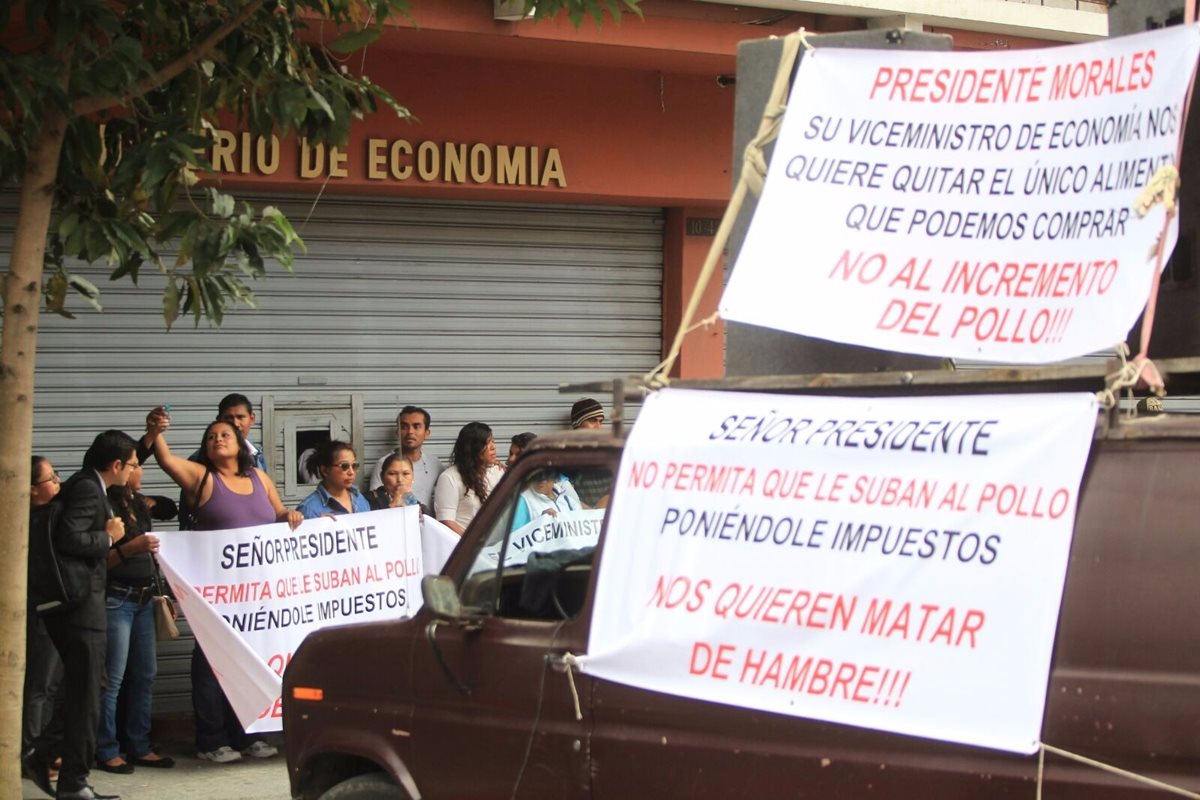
x: 346, y: 466
x: 54, y: 478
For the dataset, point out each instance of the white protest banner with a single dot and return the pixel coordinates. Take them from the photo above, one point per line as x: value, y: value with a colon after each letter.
x: 567, y: 530
x: 971, y: 205
x: 889, y: 563
x: 251, y: 595
x: 437, y: 543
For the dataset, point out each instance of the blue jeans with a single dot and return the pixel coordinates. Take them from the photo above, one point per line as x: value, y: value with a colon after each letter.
x: 132, y: 663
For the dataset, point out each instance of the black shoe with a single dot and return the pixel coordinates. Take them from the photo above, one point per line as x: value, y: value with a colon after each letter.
x: 162, y: 762
x: 86, y: 793
x: 124, y: 768
x: 34, y: 768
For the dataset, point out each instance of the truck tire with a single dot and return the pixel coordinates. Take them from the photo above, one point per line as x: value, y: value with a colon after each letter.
x: 372, y: 786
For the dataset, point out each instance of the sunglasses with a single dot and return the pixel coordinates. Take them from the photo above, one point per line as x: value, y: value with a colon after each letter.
x: 346, y: 466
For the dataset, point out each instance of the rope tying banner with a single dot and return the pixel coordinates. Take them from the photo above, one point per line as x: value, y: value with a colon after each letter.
x: 753, y: 173
x: 1091, y: 762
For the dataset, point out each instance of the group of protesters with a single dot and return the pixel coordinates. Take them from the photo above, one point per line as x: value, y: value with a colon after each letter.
x: 91, y: 658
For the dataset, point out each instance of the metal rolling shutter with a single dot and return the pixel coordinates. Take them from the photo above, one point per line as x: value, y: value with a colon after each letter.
x: 475, y: 311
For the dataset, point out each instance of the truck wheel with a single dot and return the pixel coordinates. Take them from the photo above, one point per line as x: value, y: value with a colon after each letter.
x: 372, y: 786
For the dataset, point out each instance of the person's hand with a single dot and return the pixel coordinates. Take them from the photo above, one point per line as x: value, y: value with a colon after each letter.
x: 395, y: 500
x: 551, y: 512
x: 157, y: 421
x: 115, y: 528
x: 294, y: 518
x: 142, y: 544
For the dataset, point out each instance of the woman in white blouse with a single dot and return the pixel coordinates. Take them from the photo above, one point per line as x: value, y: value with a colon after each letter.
x: 473, y: 473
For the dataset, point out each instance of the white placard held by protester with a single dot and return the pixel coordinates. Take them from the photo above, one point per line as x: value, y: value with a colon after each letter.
x: 566, y: 530
x: 889, y: 563
x: 970, y: 205
x: 251, y: 595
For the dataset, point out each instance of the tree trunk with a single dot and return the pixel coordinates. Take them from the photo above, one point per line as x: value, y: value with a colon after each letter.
x: 22, y: 301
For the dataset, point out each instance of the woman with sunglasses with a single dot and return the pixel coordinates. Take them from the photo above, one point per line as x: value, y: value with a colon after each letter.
x: 336, y: 493
x: 42, y: 717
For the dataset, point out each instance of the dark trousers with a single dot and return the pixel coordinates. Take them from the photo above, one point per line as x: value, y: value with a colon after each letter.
x: 216, y: 723
x: 41, y: 715
x: 82, y: 652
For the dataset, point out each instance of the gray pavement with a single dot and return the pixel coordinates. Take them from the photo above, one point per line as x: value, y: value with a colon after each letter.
x: 192, y: 779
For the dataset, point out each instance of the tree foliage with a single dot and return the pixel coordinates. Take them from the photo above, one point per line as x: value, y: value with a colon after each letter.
x: 142, y: 84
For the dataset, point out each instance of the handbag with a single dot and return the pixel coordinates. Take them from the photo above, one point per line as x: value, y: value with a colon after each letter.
x: 55, y: 587
x: 164, y: 612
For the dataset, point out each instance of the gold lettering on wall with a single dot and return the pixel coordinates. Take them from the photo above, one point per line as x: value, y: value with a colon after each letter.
x: 456, y: 164
x: 510, y: 165
x: 395, y: 159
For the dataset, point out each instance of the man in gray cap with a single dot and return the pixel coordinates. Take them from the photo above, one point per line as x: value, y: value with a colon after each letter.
x: 587, y: 414
x: 593, y: 490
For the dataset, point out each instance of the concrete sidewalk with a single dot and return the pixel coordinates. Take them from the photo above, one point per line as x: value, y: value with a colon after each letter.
x: 192, y: 779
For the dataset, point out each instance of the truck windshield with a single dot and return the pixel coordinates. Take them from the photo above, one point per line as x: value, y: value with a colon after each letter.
x: 536, y: 558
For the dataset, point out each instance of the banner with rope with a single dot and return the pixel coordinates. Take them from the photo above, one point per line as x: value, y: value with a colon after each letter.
x: 1000, y: 206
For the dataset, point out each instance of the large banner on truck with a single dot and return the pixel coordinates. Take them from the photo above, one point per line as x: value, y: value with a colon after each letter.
x: 893, y: 563
x: 1000, y: 206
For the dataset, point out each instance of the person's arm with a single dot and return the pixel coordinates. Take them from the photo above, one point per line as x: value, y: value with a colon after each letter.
x: 157, y: 422
x: 282, y: 513
x: 161, y: 508
x: 124, y: 549
x: 446, y: 495
x: 187, y: 474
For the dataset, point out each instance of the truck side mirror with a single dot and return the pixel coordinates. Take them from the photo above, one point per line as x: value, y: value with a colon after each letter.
x: 441, y: 596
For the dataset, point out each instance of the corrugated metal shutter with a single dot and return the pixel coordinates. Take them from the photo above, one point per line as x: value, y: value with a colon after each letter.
x: 475, y: 311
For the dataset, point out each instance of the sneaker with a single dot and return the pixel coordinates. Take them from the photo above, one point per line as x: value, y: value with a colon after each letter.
x: 222, y: 755
x: 261, y: 749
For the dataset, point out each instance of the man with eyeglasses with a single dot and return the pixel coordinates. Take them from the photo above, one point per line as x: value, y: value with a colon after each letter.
x: 85, y: 531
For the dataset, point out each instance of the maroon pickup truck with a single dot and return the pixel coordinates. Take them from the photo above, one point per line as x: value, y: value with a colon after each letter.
x: 471, y: 698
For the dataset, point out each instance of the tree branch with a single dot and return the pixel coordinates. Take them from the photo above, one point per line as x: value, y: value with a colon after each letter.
x: 90, y: 105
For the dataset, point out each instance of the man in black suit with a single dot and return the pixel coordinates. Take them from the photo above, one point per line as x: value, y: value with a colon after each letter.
x: 85, y: 531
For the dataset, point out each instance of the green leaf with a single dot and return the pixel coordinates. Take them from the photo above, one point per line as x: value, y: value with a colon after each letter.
x: 355, y: 40
x: 170, y: 303
x: 56, y: 292
x: 319, y: 101
x: 195, y: 300
x: 68, y: 225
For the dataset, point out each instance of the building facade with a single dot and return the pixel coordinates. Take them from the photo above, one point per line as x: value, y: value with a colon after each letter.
x: 540, y: 220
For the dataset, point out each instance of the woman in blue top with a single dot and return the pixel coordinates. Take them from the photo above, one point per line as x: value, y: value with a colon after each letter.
x: 336, y: 494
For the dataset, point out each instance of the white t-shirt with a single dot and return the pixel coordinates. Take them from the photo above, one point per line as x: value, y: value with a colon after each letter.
x: 451, y: 500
